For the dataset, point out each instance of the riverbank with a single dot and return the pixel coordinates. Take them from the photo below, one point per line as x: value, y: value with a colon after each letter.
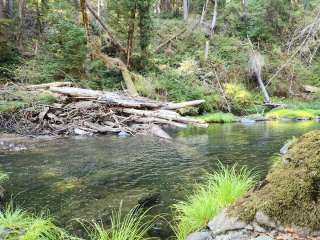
x: 53, y: 109
x: 283, y: 206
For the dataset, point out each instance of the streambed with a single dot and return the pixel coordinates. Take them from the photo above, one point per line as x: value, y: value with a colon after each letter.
x: 86, y: 178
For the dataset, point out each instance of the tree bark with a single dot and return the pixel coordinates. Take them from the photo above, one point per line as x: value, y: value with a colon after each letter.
x: 21, y: 12
x: 204, y: 11
x: 185, y: 9
x: 214, y: 18
x: 131, y: 29
x: 113, y: 40
x: 85, y: 19
x: 2, y: 15
x: 10, y: 9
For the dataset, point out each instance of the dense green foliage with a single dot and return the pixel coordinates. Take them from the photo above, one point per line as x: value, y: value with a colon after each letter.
x: 178, y: 70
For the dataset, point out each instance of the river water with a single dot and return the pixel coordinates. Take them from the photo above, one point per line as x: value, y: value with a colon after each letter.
x: 87, y: 177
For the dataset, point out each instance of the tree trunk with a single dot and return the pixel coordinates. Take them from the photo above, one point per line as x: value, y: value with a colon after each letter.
x: 204, y: 11
x: 2, y: 15
x: 21, y: 13
x: 85, y: 19
x: 214, y: 18
x: 206, y: 51
x: 113, y: 40
x: 185, y: 9
x: 245, y: 10
x: 99, y: 8
x: 131, y: 29
x: 10, y: 9
x: 263, y: 89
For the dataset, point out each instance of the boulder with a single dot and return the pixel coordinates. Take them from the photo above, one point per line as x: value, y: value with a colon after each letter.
x: 223, y: 223
x: 200, y: 236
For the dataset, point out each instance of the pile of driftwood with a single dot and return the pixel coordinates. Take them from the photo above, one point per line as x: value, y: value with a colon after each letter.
x: 85, y: 112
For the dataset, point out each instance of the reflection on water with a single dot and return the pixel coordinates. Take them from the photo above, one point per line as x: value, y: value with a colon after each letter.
x: 87, y: 177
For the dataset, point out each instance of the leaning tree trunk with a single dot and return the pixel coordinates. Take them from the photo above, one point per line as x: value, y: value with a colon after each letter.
x: 256, y: 64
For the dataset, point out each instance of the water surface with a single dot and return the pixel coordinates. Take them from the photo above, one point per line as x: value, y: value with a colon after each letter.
x: 87, y: 177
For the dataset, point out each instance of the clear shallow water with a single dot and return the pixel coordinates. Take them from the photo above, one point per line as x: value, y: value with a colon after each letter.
x: 87, y: 177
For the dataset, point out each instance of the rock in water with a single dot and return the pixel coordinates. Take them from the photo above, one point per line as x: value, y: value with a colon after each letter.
x: 149, y: 200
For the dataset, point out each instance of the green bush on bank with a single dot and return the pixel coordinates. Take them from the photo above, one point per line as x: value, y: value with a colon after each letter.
x: 293, y: 113
x: 218, y: 117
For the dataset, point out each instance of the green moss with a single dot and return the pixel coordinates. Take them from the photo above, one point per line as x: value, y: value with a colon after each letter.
x: 292, y: 192
x: 218, y: 117
x: 293, y: 113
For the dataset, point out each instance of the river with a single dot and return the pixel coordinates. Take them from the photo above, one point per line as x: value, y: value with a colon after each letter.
x: 88, y: 177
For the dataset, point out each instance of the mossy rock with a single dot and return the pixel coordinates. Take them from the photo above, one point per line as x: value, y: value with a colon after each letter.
x: 291, y: 194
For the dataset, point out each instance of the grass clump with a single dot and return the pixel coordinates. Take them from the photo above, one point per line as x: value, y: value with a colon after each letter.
x: 293, y: 113
x: 21, y: 225
x: 218, y: 117
x: 291, y: 195
x: 132, y: 226
x: 219, y: 190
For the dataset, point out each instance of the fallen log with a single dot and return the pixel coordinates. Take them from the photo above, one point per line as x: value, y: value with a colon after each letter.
x: 100, y: 128
x: 159, y: 120
x: 159, y: 132
x: 46, y: 86
x: 175, y: 106
x: 164, y: 115
x: 108, y: 97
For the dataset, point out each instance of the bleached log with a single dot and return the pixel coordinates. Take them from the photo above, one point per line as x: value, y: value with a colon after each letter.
x: 175, y: 106
x: 45, y: 86
x: 164, y: 115
x: 159, y: 132
x: 100, y: 128
x: 159, y: 120
x: 108, y: 97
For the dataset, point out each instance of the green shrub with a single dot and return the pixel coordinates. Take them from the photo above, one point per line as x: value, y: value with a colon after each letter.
x: 238, y: 96
x: 219, y: 190
x: 218, y: 117
x: 63, y: 54
x: 293, y: 113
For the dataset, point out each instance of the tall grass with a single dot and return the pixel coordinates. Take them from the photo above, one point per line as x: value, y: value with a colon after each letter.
x: 293, y: 113
x: 132, y: 226
x: 23, y: 226
x: 221, y: 189
x: 218, y: 117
